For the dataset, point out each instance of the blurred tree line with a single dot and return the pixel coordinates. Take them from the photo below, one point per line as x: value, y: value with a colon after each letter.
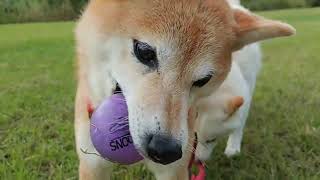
x: 259, y: 5
x: 13, y: 11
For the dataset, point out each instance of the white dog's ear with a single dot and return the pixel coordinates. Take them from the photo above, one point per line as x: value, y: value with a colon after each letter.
x: 251, y: 28
x: 234, y: 104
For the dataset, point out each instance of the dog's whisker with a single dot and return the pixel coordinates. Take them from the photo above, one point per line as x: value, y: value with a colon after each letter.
x: 191, y: 145
x: 190, y: 149
x: 90, y: 153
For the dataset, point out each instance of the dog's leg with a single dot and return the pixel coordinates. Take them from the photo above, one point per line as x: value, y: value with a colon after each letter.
x: 89, y: 172
x: 235, y: 138
x: 91, y: 166
x: 234, y: 142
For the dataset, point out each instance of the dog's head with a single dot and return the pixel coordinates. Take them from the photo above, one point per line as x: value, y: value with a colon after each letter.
x: 163, y: 55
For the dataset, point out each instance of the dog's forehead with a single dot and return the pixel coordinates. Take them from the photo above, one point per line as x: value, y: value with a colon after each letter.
x: 185, y: 23
x: 182, y: 21
x: 189, y: 29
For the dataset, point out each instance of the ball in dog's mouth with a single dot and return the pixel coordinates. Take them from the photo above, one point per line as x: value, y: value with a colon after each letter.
x: 111, y: 137
x: 110, y: 133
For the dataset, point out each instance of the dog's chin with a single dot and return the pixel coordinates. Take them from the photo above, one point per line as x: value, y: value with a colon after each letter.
x: 158, y: 166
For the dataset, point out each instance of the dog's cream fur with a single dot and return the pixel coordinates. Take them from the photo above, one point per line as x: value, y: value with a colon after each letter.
x: 193, y: 38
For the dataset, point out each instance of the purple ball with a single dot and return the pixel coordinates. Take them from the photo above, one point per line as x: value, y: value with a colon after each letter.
x: 110, y: 133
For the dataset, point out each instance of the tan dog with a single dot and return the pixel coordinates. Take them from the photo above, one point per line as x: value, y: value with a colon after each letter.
x: 164, y: 55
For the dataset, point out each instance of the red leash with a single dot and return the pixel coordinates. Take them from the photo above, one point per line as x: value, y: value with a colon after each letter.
x: 90, y: 109
x: 200, y: 165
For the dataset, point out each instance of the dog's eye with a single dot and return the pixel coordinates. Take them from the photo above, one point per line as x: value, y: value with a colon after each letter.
x: 202, y: 82
x: 145, y: 54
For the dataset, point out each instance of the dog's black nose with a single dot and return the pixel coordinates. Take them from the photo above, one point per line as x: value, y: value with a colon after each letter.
x: 163, y: 149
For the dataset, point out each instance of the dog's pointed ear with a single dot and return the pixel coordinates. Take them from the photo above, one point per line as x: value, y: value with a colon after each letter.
x: 251, y: 28
x: 234, y: 104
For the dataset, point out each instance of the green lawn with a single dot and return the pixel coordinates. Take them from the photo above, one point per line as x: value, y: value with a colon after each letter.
x: 37, y: 86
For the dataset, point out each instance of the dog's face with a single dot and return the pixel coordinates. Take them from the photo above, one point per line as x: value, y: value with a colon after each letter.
x: 163, y: 55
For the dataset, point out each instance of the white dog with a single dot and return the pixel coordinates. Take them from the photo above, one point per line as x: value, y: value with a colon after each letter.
x: 164, y: 55
x: 225, y: 111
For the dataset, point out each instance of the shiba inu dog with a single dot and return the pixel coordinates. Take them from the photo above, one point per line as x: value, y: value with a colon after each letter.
x: 163, y: 55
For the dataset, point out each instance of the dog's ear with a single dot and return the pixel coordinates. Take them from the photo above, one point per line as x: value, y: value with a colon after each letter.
x: 251, y: 28
x: 234, y: 104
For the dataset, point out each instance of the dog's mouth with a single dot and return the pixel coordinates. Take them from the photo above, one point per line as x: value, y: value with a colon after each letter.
x: 118, y: 89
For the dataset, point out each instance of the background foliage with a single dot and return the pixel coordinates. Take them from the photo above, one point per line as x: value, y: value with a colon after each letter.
x: 15, y: 11
x: 279, y: 4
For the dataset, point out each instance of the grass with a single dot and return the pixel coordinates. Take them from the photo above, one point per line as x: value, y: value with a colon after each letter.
x: 37, y: 89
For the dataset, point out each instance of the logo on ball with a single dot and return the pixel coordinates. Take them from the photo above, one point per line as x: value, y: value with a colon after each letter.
x: 121, y: 142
